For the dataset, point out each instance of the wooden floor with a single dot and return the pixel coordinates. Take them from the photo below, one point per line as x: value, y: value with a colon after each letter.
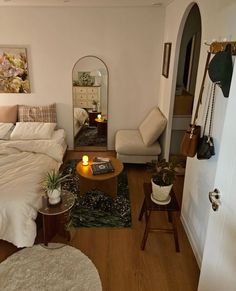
x: 116, y: 252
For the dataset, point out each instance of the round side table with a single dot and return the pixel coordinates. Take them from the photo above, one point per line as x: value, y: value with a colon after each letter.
x: 101, y: 127
x: 104, y: 182
x: 55, y: 216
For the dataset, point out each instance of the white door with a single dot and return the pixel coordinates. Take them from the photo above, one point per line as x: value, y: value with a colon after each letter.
x: 218, y: 271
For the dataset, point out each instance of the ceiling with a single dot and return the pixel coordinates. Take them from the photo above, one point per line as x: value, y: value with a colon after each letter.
x: 86, y: 3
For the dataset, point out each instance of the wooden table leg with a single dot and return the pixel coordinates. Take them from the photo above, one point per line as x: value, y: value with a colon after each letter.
x: 175, y: 232
x: 143, y: 244
x: 44, y: 232
x: 142, y: 211
x: 62, y: 220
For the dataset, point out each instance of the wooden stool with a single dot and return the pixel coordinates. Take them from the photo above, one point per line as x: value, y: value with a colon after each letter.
x: 149, y: 206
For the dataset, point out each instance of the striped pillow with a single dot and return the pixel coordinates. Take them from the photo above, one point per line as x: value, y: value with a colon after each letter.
x: 37, y: 113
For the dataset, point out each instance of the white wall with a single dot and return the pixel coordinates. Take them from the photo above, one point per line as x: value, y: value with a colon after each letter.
x: 128, y: 40
x: 200, y: 175
x: 192, y: 27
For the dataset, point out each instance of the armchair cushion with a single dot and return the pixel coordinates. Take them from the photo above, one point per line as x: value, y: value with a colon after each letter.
x: 131, y: 149
x: 152, y: 126
x: 129, y: 142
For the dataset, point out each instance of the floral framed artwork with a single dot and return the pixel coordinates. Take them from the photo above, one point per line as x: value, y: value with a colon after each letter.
x: 166, y: 59
x: 14, y: 75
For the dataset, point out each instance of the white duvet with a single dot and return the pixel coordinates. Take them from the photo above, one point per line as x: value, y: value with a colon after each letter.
x: 22, y: 167
x: 80, y: 117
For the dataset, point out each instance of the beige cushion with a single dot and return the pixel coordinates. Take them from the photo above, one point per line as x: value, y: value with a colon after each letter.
x: 46, y: 113
x: 8, y: 114
x: 129, y: 142
x: 135, y: 159
x: 152, y: 126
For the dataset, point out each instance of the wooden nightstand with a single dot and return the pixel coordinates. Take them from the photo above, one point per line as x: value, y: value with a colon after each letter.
x: 102, y: 127
x: 92, y: 117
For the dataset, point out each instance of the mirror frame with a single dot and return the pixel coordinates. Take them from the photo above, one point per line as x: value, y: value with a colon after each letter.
x: 76, y: 148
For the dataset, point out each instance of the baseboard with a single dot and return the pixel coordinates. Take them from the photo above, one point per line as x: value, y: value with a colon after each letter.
x: 191, y: 240
x: 111, y: 147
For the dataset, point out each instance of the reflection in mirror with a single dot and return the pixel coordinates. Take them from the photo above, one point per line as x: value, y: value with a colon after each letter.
x: 90, y: 94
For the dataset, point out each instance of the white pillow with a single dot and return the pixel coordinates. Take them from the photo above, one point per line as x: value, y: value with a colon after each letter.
x: 4, y: 129
x: 33, y: 130
x: 152, y: 126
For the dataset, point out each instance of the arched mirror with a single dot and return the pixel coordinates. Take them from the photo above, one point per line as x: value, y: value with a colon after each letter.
x: 90, y: 95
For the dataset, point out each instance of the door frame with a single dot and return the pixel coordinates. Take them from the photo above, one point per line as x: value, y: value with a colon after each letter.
x: 174, y: 79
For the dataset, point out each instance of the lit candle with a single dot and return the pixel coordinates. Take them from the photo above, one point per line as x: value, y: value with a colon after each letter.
x: 99, y: 116
x: 85, y: 160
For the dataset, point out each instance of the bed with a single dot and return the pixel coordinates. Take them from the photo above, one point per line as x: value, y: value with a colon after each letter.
x: 27, y: 151
x: 80, y: 118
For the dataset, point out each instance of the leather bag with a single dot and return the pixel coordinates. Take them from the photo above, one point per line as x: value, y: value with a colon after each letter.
x: 190, y: 141
x: 206, y: 147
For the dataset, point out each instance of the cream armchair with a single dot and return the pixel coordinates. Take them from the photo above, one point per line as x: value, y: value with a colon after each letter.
x: 141, y: 145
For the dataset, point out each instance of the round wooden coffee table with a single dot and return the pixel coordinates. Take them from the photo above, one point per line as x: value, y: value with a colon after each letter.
x: 104, y: 182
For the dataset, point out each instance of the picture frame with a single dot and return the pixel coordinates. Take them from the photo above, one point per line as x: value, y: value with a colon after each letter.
x: 14, y: 73
x: 166, y: 59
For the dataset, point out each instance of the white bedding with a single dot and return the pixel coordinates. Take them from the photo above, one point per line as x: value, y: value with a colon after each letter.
x: 22, y: 167
x: 80, y: 117
x: 4, y: 129
x: 32, y: 130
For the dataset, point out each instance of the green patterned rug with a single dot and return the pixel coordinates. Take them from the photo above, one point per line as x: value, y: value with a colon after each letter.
x: 88, y: 136
x: 96, y: 208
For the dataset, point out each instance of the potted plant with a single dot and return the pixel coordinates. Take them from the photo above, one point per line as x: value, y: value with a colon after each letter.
x: 52, y: 185
x: 163, y: 176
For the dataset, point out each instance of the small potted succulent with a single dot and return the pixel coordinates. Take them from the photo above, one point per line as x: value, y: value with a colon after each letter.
x: 163, y: 176
x: 52, y: 185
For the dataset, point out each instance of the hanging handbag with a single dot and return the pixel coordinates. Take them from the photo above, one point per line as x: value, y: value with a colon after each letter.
x: 206, y: 147
x: 190, y: 141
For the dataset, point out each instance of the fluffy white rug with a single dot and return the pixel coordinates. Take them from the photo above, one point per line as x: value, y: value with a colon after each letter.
x: 41, y: 269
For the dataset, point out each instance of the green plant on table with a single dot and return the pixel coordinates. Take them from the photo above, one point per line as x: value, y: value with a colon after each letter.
x: 163, y: 173
x: 53, y: 180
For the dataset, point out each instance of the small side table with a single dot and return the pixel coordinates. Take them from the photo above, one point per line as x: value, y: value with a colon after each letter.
x: 55, y: 216
x: 92, y: 117
x: 102, y: 127
x: 149, y: 206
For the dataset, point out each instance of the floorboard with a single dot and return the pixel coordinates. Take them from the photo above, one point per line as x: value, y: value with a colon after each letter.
x: 116, y: 252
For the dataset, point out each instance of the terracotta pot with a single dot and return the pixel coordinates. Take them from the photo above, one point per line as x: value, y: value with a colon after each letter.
x: 160, y: 193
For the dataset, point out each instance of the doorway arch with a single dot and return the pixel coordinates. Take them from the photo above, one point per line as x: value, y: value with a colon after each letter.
x: 185, y: 69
